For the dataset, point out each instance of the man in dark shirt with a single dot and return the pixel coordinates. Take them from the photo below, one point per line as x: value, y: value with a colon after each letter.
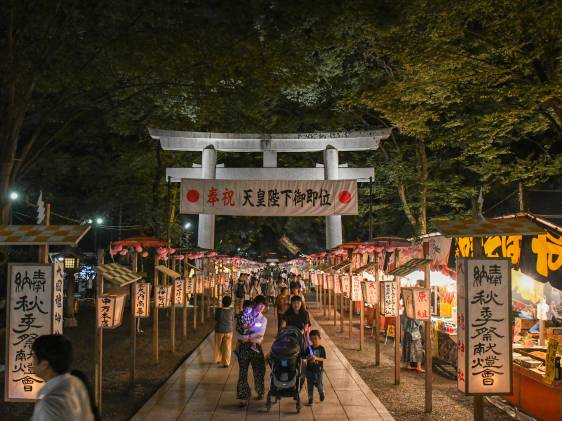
x: 315, y: 367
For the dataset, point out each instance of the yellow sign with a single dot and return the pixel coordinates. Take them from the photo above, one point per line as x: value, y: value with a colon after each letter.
x: 550, y: 358
x: 390, y: 331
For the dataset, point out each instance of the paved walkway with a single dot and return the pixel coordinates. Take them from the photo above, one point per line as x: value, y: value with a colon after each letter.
x: 201, y: 391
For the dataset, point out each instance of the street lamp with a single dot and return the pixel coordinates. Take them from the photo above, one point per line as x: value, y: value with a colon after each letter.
x: 187, y: 225
x: 99, y: 221
x: 89, y: 221
x: 14, y: 195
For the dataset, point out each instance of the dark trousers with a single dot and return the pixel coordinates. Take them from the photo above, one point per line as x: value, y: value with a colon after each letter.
x: 247, y: 357
x: 314, y: 378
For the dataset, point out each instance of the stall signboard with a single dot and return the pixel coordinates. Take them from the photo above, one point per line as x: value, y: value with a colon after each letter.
x: 337, y: 284
x: 164, y: 295
x: 142, y: 299
x: 416, y: 303
x: 356, y: 293
x: 487, y: 327
x: 32, y: 312
x: 371, y: 293
x: 389, y: 298
x: 345, y: 284
x: 330, y: 282
x: 180, y: 292
x: 189, y: 286
x: 110, y: 310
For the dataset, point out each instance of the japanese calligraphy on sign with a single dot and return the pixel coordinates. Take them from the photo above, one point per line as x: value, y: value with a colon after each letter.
x: 189, y: 285
x: 337, y: 284
x: 356, y: 293
x: 269, y: 197
x: 461, y: 327
x: 390, y: 299
x: 110, y: 310
x: 314, y: 278
x: 487, y: 327
x: 142, y: 302
x: 345, y: 283
x: 58, y: 300
x: 416, y: 303
x: 164, y: 296
x: 371, y: 293
x: 180, y: 294
x: 32, y: 312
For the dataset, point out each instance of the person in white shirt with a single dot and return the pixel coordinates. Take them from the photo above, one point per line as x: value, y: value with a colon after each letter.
x: 250, y: 352
x: 64, y: 396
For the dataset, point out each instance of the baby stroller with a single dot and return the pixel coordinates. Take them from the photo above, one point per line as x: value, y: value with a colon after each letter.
x: 287, y: 366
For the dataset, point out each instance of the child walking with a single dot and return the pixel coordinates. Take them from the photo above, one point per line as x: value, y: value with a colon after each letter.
x: 315, y: 367
x: 223, y: 332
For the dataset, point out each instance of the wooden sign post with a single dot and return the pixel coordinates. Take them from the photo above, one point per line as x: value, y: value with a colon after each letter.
x: 428, y: 341
x: 99, y: 338
x: 377, y: 314
x: 155, y: 348
x: 336, y: 282
x: 397, y: 328
x: 185, y: 301
x: 342, y: 317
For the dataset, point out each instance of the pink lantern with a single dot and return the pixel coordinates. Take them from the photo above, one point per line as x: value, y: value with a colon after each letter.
x: 144, y: 254
x: 160, y: 250
x: 118, y: 248
x: 138, y: 248
x: 123, y: 252
x: 172, y: 251
x: 180, y: 257
x: 163, y: 257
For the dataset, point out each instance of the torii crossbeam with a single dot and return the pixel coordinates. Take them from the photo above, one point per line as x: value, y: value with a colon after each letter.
x: 270, y: 144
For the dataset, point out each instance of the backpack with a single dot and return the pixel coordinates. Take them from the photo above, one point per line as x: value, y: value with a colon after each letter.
x: 240, y: 291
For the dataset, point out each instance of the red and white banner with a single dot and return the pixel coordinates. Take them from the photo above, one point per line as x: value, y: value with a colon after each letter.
x: 269, y: 197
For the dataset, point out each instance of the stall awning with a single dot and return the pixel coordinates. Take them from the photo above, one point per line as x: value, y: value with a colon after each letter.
x: 409, y: 267
x: 167, y: 271
x: 42, y: 235
x: 117, y: 274
x: 487, y: 227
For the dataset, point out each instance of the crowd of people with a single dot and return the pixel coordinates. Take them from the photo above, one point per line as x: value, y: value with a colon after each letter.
x: 67, y: 394
x: 245, y: 325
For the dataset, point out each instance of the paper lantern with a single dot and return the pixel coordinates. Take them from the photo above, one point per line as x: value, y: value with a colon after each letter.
x: 138, y: 248
x: 163, y: 257
x: 171, y: 251
x: 160, y: 250
x: 142, y: 299
x: 123, y: 252
x: 118, y: 248
x: 180, y: 257
x: 416, y: 303
x: 110, y: 310
x: 144, y: 254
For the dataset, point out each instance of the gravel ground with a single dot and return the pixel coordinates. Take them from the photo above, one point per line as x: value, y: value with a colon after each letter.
x: 119, y: 401
x: 405, y: 401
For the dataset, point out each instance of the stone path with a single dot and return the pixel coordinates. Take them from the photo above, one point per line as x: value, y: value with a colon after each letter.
x: 201, y: 391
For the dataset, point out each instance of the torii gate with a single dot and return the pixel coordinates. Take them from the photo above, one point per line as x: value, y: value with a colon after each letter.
x: 209, y: 143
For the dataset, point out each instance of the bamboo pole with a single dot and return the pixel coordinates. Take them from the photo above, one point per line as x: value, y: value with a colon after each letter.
x: 173, y: 311
x: 133, y: 327
x: 377, y: 314
x: 428, y: 347
x: 397, y: 327
x: 155, y: 315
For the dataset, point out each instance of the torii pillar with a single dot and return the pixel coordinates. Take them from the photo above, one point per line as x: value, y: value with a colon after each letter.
x: 333, y: 222
x: 206, y: 227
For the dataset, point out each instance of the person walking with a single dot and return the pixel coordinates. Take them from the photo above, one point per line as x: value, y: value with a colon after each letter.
x: 315, y: 367
x: 281, y: 306
x: 224, y: 317
x: 250, y: 352
x: 271, y: 291
x: 240, y: 293
x: 66, y: 395
x: 296, y: 315
x: 255, y: 288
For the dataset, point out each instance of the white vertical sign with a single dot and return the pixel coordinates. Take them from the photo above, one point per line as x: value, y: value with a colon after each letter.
x: 356, y: 293
x: 345, y: 284
x: 337, y: 284
x: 31, y: 313
x: 164, y: 295
x: 390, y: 299
x: 488, y: 358
x: 180, y: 295
x: 142, y: 302
x: 58, y: 298
x: 189, y: 285
x: 372, y: 297
x: 330, y: 282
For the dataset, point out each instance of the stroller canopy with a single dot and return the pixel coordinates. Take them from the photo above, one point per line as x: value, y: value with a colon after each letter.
x: 288, y: 344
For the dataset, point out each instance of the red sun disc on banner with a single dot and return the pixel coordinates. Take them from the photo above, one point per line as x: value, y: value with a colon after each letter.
x: 344, y: 196
x: 193, y: 196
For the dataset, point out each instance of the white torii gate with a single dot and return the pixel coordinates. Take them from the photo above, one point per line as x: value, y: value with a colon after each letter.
x: 209, y: 143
